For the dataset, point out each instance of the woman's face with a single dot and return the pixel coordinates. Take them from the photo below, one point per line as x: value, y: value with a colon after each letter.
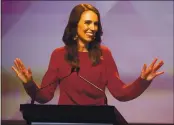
x: 87, y: 26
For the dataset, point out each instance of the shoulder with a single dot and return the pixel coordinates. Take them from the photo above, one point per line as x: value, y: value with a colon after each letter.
x: 60, y: 51
x: 105, y: 49
x: 106, y: 53
x: 108, y: 57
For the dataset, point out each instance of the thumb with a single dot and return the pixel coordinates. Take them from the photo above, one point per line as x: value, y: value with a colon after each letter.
x: 143, y: 71
x: 29, y: 70
x: 144, y: 68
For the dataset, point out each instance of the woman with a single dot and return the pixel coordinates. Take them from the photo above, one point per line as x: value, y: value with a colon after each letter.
x: 82, y: 38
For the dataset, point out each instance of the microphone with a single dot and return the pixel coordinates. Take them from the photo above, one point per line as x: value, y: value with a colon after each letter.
x: 77, y: 69
x: 73, y: 69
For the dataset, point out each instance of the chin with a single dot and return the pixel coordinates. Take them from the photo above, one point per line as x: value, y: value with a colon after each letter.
x: 89, y: 40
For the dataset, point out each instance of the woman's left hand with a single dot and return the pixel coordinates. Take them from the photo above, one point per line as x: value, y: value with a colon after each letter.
x: 151, y: 72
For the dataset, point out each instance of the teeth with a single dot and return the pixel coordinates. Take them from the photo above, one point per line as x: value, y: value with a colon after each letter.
x: 91, y: 34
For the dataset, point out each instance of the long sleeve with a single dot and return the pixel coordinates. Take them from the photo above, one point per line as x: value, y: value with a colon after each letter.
x: 46, y: 94
x: 120, y: 90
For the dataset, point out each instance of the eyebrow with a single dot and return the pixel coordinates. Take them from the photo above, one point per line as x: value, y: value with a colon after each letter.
x: 91, y: 21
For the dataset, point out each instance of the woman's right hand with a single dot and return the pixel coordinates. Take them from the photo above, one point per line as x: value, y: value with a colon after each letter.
x: 25, y: 75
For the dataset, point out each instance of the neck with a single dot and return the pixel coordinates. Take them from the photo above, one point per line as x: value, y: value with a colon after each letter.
x: 82, y: 46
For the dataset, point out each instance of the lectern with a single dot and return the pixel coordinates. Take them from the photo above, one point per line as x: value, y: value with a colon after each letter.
x: 38, y: 114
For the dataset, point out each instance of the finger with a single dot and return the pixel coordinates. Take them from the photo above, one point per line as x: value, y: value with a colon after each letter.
x: 24, y: 73
x: 144, y: 68
x: 16, y: 64
x: 153, y: 63
x: 143, y: 72
x: 147, y: 70
x: 21, y: 64
x: 150, y: 68
x: 158, y: 73
x: 15, y: 70
x: 29, y: 70
x: 158, y: 65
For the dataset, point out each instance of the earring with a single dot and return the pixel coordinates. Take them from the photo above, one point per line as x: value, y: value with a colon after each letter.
x: 75, y: 38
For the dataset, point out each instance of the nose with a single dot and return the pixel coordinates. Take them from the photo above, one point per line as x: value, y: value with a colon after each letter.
x: 92, y: 27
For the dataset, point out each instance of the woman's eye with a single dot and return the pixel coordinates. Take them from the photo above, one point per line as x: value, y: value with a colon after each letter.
x: 87, y: 22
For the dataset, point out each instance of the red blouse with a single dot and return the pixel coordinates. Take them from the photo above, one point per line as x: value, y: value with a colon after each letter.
x: 76, y: 91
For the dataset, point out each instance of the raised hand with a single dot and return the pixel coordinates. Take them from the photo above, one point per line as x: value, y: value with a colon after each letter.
x: 25, y: 75
x: 151, y: 72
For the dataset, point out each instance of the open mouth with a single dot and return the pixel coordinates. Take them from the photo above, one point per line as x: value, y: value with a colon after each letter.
x: 90, y: 34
